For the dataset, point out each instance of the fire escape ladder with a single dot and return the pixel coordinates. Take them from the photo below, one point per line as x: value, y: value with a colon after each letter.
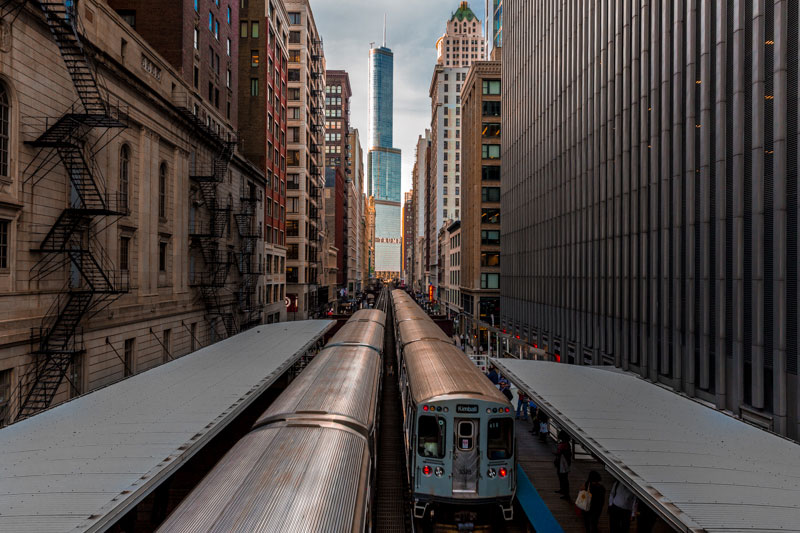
x: 61, y: 18
x: 71, y: 242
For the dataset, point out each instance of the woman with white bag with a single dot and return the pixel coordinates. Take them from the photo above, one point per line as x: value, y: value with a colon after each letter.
x: 590, y: 501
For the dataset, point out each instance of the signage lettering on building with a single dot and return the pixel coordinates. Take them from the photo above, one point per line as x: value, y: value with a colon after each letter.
x: 149, y: 66
x: 388, y: 241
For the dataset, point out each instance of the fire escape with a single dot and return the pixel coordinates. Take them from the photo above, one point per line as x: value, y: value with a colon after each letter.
x: 72, y: 242
x: 207, y: 235
x: 250, y: 269
x: 317, y: 253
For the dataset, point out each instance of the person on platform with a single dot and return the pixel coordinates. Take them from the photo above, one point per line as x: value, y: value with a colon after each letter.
x: 563, y: 463
x: 594, y: 486
x: 522, y: 405
x: 621, y: 508
x: 493, y: 375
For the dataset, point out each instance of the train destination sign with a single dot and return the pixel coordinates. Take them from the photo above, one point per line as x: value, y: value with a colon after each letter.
x: 472, y: 409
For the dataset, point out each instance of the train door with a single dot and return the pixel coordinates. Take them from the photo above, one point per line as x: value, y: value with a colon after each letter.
x: 466, y: 456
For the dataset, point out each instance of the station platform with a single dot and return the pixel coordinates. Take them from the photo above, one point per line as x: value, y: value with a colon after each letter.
x: 84, y: 464
x: 697, y: 468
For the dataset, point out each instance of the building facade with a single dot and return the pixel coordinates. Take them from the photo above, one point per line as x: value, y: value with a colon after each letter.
x: 408, y: 236
x: 357, y: 263
x: 198, y: 38
x: 337, y: 127
x: 384, y: 164
x: 480, y: 224
x: 143, y: 255
x: 452, y: 270
x: 657, y: 231
x: 306, y: 289
x: 263, y: 98
x: 457, y: 49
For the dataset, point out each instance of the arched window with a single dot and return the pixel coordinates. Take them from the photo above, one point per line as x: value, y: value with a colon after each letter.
x: 5, y: 129
x: 124, y: 175
x: 162, y: 191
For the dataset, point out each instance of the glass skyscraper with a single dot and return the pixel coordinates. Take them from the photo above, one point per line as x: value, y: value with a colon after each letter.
x: 384, y: 163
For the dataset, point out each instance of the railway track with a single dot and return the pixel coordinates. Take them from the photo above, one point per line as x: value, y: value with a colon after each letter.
x: 391, y: 506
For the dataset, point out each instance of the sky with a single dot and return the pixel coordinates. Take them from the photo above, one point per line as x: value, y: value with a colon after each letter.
x: 348, y: 27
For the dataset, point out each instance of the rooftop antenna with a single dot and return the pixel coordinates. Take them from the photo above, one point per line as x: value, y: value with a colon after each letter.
x: 384, y: 30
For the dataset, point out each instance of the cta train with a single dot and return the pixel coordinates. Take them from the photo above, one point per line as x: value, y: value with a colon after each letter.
x: 459, y: 429
x: 308, y: 462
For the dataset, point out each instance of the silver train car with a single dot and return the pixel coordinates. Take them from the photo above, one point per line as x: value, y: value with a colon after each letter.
x: 459, y: 429
x: 308, y: 462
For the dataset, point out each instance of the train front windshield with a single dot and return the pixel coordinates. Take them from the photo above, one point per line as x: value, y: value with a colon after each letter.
x: 431, y: 436
x: 500, y: 438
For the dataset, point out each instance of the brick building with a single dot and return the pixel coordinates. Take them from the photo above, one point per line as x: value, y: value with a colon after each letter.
x: 198, y: 38
x: 337, y: 127
x: 480, y: 223
x: 305, y: 209
x: 263, y: 67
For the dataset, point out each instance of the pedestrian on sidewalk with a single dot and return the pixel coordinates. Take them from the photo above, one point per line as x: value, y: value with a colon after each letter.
x: 522, y: 405
x: 621, y: 508
x: 563, y: 463
x: 594, y: 486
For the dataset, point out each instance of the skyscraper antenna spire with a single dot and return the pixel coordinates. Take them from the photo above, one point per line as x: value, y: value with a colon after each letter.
x: 384, y: 30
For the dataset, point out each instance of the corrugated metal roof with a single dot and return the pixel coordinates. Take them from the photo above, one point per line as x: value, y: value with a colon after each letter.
x: 700, y: 468
x: 339, y: 381
x: 361, y: 333
x: 437, y: 368
x: 290, y: 479
x: 81, y: 465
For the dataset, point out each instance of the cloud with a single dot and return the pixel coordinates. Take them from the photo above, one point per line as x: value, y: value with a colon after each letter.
x: 413, y: 26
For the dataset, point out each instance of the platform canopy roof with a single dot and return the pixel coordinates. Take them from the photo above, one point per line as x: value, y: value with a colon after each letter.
x: 699, y: 468
x: 83, y: 464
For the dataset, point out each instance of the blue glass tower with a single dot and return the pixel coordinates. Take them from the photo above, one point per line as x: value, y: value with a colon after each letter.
x: 384, y: 162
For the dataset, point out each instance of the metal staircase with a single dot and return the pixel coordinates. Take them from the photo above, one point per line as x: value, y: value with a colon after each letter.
x: 71, y: 243
x: 249, y: 268
x: 206, y: 235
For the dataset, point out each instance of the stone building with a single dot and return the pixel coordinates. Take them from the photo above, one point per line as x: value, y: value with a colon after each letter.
x: 305, y: 162
x: 263, y: 66
x: 457, y: 49
x: 408, y: 236
x: 126, y: 213
x: 480, y: 223
x: 655, y: 226
x: 354, y: 183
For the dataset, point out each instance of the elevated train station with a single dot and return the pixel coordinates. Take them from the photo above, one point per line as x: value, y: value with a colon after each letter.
x: 233, y: 415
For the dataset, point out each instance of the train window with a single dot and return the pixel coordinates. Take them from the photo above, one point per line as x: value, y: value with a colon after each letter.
x: 500, y: 439
x: 465, y: 437
x: 430, y: 436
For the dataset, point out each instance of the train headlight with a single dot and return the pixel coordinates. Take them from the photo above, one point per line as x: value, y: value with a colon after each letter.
x: 503, y: 471
x: 424, y: 407
x: 491, y: 473
x: 439, y: 471
x: 427, y: 470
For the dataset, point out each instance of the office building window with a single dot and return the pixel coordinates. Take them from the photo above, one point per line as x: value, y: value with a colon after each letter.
x: 254, y: 58
x: 491, y: 87
x: 253, y: 86
x: 294, y: 18
x: 254, y: 29
x: 490, y: 194
x: 162, y: 191
x: 4, y: 245
x: 243, y: 30
x: 124, y: 175
x: 491, y: 130
x: 490, y: 173
x: 124, y: 253
x: 162, y: 256
x: 490, y: 237
x: 490, y: 216
x: 491, y: 109
x: 490, y: 281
